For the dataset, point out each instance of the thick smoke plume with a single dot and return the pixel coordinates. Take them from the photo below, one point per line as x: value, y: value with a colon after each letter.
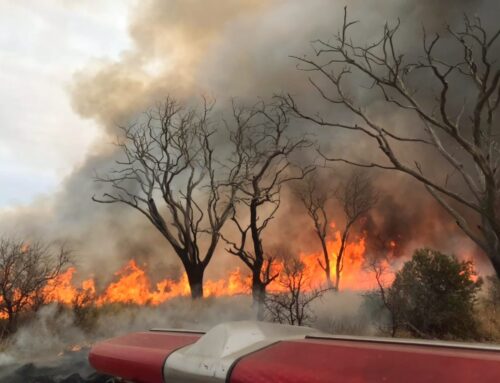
x: 228, y: 49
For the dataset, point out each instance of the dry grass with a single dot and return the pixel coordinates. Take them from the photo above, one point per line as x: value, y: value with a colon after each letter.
x: 489, y: 321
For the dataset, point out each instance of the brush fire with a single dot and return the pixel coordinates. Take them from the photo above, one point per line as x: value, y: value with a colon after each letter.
x: 131, y: 284
x: 243, y: 191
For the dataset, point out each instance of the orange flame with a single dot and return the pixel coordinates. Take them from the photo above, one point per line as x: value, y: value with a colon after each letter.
x: 132, y: 284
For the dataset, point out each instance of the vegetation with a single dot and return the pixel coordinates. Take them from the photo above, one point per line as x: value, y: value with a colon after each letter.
x: 489, y: 310
x: 169, y: 173
x: 25, y: 271
x: 434, y: 296
x: 264, y: 149
x: 293, y: 305
x: 460, y: 132
x: 191, y: 179
x: 356, y: 197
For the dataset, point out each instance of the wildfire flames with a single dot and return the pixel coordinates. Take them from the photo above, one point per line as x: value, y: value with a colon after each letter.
x: 133, y: 286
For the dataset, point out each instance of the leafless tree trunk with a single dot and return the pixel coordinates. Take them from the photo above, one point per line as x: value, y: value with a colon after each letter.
x: 314, y: 198
x: 264, y: 152
x: 25, y: 270
x: 356, y: 196
x: 377, y: 266
x: 169, y: 173
x: 464, y: 136
x: 292, y: 306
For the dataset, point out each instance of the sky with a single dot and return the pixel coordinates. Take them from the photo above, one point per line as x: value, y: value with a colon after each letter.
x: 42, y: 45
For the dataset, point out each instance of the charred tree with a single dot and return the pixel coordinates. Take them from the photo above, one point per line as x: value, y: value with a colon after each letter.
x: 356, y: 197
x: 315, y: 200
x: 25, y: 270
x: 463, y: 132
x: 169, y: 174
x: 263, y: 150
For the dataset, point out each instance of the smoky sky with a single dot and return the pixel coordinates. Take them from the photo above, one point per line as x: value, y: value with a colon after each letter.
x: 228, y: 49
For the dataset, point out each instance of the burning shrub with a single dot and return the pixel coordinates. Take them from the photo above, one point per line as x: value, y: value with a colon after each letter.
x: 292, y: 304
x: 84, y: 309
x: 433, y: 296
x: 25, y: 272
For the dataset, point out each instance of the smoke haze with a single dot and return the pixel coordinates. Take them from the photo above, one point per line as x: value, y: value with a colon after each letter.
x: 226, y: 49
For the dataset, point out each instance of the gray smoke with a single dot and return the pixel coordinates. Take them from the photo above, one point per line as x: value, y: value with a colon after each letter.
x: 227, y: 49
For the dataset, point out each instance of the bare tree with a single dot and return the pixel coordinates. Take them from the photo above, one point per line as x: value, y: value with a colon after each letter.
x: 378, y: 265
x: 315, y: 200
x: 356, y: 196
x: 25, y: 270
x: 170, y: 174
x: 464, y: 134
x: 264, y: 151
x: 293, y: 305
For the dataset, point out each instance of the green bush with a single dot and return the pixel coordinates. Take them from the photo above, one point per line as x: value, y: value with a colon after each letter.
x: 434, y: 296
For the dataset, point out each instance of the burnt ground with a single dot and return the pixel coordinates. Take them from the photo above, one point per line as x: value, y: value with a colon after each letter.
x: 71, y: 367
